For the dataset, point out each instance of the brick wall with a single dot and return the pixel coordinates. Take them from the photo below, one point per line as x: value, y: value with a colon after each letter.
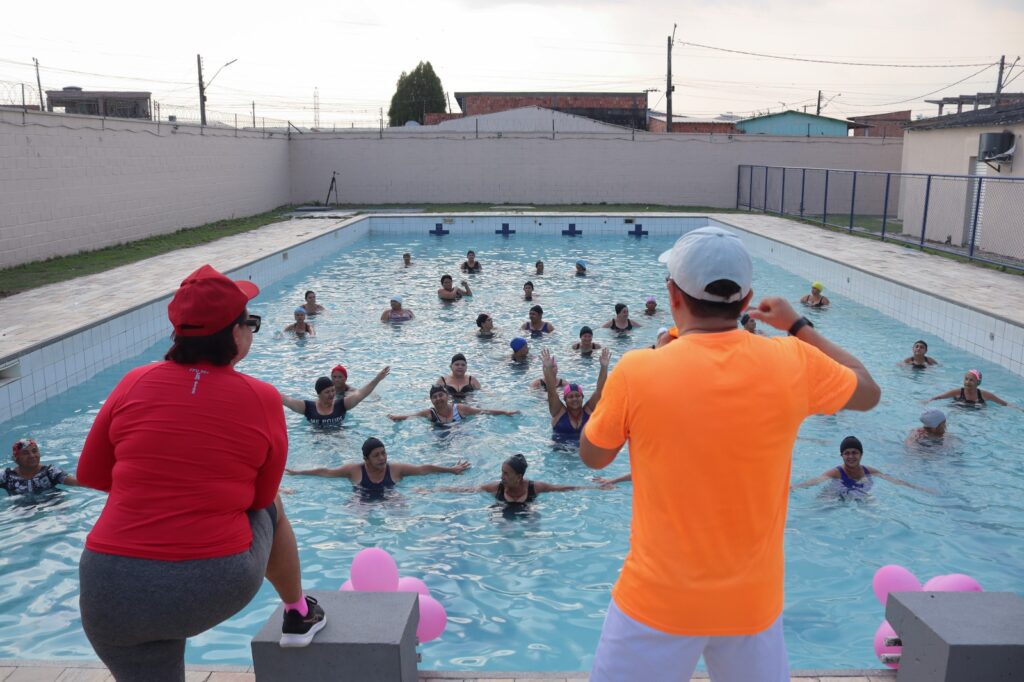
x: 655, y: 125
x: 491, y: 103
x: 434, y: 119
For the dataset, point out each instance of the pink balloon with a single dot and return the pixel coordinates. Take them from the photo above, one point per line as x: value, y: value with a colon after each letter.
x: 884, y: 631
x: 954, y: 582
x: 373, y: 570
x: 433, y: 619
x: 893, y: 578
x: 413, y: 585
x: 346, y: 587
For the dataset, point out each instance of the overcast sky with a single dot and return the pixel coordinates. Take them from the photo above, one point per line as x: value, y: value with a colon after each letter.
x: 354, y: 52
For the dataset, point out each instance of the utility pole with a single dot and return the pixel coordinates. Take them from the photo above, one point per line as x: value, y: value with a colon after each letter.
x: 817, y: 112
x: 202, y: 92
x: 42, y: 107
x: 668, y: 86
x: 999, y: 82
x: 254, y: 113
x: 316, y: 108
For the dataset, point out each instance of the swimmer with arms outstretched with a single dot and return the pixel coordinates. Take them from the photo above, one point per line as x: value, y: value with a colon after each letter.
x: 444, y: 411
x: 852, y: 474
x: 514, y: 487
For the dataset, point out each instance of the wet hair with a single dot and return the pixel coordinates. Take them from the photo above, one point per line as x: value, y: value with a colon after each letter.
x: 481, y: 318
x: 371, y: 444
x: 851, y: 442
x: 528, y: 282
x: 537, y: 309
x: 586, y: 330
x: 435, y: 388
x: 540, y: 262
x: 322, y: 383
x: 218, y: 349
x: 471, y: 251
x: 619, y: 307
x: 457, y: 357
x: 518, y: 464
x: 444, y: 277
x: 305, y: 296
x: 406, y: 254
x: 715, y: 309
x: 923, y: 343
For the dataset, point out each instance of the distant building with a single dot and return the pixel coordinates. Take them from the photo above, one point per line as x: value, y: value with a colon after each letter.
x: 882, y: 125
x: 441, y: 117
x: 981, y: 99
x: 118, y: 104
x: 690, y: 124
x: 628, y: 109
x: 527, y: 120
x: 797, y: 124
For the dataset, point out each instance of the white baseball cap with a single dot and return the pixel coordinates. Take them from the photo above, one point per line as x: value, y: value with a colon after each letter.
x: 706, y: 255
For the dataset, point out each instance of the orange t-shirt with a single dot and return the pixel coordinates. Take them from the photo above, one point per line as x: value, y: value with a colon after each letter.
x: 711, y: 420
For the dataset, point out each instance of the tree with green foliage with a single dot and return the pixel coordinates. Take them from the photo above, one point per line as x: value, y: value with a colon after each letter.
x: 417, y: 94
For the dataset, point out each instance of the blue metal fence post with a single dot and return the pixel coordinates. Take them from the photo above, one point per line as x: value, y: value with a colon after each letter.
x: 853, y: 198
x: 750, y: 190
x: 885, y: 207
x: 764, y: 195
x: 803, y: 183
x: 824, y: 208
x: 924, y: 218
x: 974, y: 223
x: 782, y: 194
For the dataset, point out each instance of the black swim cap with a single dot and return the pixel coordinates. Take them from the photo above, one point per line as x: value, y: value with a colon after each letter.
x: 537, y: 309
x: 322, y: 383
x: 436, y: 388
x: 586, y: 330
x: 481, y: 318
x: 518, y: 463
x: 619, y: 307
x: 457, y: 357
x: 371, y: 444
x: 851, y: 442
x: 744, y: 318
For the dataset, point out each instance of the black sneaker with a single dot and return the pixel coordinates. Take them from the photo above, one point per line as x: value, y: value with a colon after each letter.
x: 299, y: 630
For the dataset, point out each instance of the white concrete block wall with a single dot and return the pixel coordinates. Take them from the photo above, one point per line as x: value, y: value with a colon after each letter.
x: 73, y: 183
x: 693, y: 170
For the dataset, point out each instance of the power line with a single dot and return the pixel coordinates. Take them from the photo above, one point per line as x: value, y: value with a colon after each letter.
x: 828, y: 61
x: 927, y: 94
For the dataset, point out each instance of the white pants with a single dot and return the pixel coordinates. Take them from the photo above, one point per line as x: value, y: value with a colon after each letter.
x: 630, y: 651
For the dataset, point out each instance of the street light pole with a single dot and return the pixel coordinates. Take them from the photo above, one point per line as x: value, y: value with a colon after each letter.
x: 202, y: 87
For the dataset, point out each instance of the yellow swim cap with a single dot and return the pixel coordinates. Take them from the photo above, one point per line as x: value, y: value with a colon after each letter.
x: 818, y: 285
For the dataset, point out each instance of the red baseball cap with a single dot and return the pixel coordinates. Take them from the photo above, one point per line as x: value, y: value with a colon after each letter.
x: 207, y: 302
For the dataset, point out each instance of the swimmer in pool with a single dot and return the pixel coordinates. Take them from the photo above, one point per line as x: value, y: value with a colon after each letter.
x: 29, y: 475
x: 375, y: 473
x: 485, y: 326
x: 852, y: 474
x: 651, y: 306
x: 339, y: 377
x: 514, y: 487
x: 407, y: 259
x: 311, y: 306
x: 300, y: 327
x: 919, y: 356
x: 326, y: 410
x: 621, y: 322
x: 536, y: 324
x: 539, y: 265
x: 970, y: 393
x: 471, y: 265
x: 749, y: 324
x: 541, y: 383
x: 609, y: 482
x: 815, y: 299
x: 581, y: 268
x: 586, y: 345
x: 458, y: 383
x: 520, y: 349
x: 396, y: 313
x: 933, y: 429
x: 569, y: 418
x: 447, y: 292
x: 444, y: 411
x: 528, y: 291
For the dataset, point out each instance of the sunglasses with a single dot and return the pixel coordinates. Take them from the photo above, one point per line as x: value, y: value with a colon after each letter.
x: 253, y: 322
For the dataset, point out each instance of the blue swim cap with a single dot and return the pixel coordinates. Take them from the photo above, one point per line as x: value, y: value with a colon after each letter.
x: 300, y: 309
x: 582, y: 263
x: 517, y: 343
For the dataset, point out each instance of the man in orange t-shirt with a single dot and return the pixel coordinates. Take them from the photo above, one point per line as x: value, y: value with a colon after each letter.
x: 704, y: 573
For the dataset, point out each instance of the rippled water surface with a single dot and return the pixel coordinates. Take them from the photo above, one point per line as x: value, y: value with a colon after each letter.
x: 529, y: 592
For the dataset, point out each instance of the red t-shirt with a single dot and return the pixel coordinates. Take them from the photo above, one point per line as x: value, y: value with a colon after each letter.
x: 184, y: 451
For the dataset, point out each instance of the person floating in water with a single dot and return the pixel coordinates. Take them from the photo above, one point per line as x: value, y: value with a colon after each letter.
x: 528, y: 291
x: 447, y: 292
x: 329, y: 408
x: 407, y: 259
x: 458, y: 383
x: 815, y: 299
x: 395, y: 312
x: 569, y: 418
x: 651, y: 306
x: 29, y: 474
x: 514, y: 487
x: 300, y: 327
x: 971, y: 393
x: 471, y: 265
x: 444, y: 411
x: 852, y: 475
x: 536, y: 324
x: 749, y: 324
x: 586, y: 345
x: 621, y: 322
x: 311, y: 306
x: 933, y: 429
x: 520, y: 349
x: 375, y: 474
x: 539, y: 265
x: 919, y: 356
x: 581, y: 268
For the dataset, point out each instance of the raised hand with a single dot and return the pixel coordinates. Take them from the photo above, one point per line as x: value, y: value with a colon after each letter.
x: 776, y: 312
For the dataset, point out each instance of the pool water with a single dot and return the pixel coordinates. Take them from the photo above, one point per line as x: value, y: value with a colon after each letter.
x: 529, y: 592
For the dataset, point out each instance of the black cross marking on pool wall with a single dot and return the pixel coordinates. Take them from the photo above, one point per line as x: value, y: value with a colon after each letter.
x: 438, y: 230
x: 637, y: 231
x: 504, y: 231
x: 572, y: 231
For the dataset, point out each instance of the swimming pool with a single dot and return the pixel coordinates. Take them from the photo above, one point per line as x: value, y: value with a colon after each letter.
x: 529, y: 593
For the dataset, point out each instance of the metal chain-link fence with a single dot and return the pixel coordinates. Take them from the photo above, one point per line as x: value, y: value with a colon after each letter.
x: 979, y: 217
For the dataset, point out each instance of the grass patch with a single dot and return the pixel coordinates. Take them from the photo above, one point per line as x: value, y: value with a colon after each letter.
x: 31, y: 275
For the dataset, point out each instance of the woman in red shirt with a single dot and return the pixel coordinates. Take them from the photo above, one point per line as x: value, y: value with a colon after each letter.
x: 191, y: 453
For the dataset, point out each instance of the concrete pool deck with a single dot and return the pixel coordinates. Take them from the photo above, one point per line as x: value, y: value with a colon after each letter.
x: 88, y: 671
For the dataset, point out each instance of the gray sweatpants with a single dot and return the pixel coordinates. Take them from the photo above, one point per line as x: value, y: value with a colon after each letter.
x: 137, y: 613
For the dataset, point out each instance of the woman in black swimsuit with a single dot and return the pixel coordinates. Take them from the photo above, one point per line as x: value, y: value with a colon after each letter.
x: 815, y: 299
x: 621, y: 321
x: 919, y: 356
x: 471, y: 264
x: 458, y: 383
x: 514, y: 487
x: 970, y: 394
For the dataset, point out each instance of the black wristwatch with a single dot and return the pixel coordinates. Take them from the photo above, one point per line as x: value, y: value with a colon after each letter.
x: 800, y: 324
